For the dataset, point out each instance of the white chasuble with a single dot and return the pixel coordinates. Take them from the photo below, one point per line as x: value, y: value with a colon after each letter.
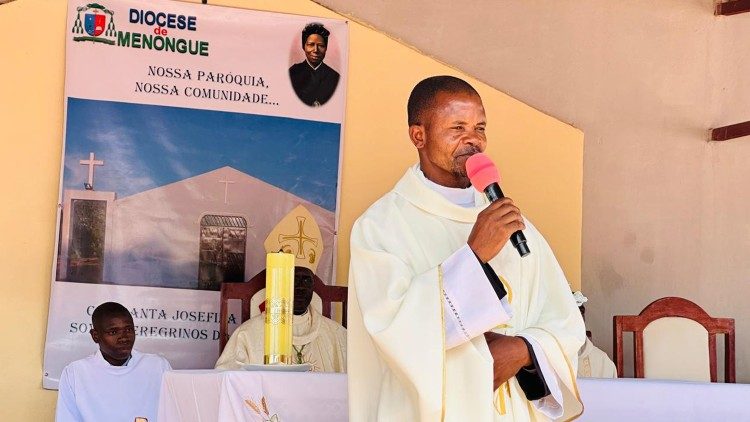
x: 594, y: 363
x: 317, y: 340
x: 399, y: 368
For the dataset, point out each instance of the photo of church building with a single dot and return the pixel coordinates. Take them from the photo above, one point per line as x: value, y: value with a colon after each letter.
x: 194, y: 232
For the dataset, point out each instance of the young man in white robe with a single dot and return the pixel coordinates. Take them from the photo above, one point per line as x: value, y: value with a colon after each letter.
x: 446, y: 320
x: 316, y: 340
x: 116, y: 383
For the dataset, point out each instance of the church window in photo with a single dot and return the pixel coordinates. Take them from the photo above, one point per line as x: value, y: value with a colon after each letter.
x: 222, y: 250
x: 86, y: 242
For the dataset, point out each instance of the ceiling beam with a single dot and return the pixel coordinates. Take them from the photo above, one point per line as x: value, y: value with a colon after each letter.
x: 732, y: 7
x: 730, y: 132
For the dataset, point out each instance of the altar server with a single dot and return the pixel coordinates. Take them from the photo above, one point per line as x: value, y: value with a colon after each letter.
x: 117, y: 383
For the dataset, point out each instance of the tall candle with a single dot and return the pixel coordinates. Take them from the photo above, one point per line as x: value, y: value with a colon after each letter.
x: 279, y: 308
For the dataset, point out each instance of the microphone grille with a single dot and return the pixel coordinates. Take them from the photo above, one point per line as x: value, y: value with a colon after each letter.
x: 481, y: 171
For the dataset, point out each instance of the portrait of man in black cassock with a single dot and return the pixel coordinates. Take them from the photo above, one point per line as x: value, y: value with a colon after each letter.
x: 314, y: 82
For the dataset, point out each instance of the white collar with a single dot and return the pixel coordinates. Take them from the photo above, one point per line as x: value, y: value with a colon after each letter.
x: 464, y: 197
x: 412, y: 189
x: 305, y: 327
x: 314, y: 67
x: 132, y: 361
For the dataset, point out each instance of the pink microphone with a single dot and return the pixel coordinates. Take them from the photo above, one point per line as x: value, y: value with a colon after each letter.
x: 481, y: 171
x: 485, y: 178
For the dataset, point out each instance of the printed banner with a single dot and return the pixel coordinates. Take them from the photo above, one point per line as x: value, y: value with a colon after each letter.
x: 197, y: 138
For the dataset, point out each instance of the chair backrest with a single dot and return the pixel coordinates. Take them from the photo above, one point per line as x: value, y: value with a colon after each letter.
x: 245, y: 291
x: 674, y: 308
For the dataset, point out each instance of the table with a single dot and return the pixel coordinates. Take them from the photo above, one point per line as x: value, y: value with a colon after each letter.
x: 210, y: 395
x: 643, y: 400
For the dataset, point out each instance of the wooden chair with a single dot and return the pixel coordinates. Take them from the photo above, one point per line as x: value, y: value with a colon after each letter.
x: 245, y: 291
x: 681, y: 308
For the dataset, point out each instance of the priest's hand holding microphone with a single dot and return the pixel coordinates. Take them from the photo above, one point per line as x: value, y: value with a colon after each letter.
x: 498, y: 222
x: 495, y: 225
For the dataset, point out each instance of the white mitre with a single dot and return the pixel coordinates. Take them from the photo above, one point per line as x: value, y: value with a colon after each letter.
x: 297, y: 233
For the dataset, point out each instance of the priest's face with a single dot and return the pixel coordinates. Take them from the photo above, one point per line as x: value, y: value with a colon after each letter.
x: 303, y: 289
x: 315, y: 49
x: 451, y: 131
x: 115, y: 338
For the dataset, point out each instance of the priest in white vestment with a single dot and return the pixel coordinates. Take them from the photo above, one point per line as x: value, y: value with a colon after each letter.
x: 316, y: 340
x: 116, y: 383
x: 447, y: 321
x: 592, y: 361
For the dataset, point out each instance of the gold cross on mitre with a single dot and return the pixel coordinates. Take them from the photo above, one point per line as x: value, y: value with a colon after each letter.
x: 297, y: 233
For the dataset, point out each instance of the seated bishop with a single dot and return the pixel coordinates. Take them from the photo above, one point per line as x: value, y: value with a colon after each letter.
x: 316, y: 340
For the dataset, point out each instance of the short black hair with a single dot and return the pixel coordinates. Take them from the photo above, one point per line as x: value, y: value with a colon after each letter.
x: 107, y: 310
x: 423, y: 95
x: 315, y: 28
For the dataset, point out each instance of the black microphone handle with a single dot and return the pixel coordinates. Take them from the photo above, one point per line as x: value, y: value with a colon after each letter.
x: 494, y: 193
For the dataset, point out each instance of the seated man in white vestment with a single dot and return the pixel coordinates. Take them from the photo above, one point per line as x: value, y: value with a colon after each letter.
x: 116, y: 383
x: 316, y: 340
x: 592, y: 361
x: 447, y: 321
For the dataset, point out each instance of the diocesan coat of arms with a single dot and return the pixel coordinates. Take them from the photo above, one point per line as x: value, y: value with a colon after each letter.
x: 97, y: 25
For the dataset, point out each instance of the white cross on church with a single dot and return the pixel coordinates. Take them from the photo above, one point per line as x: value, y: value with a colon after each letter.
x: 91, y: 163
x: 226, y: 188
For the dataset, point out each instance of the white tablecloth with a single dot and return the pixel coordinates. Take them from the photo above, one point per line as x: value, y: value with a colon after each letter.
x: 645, y: 400
x: 211, y: 396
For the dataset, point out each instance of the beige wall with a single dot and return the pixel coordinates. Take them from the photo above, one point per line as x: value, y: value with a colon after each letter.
x: 376, y: 151
x: 665, y: 213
